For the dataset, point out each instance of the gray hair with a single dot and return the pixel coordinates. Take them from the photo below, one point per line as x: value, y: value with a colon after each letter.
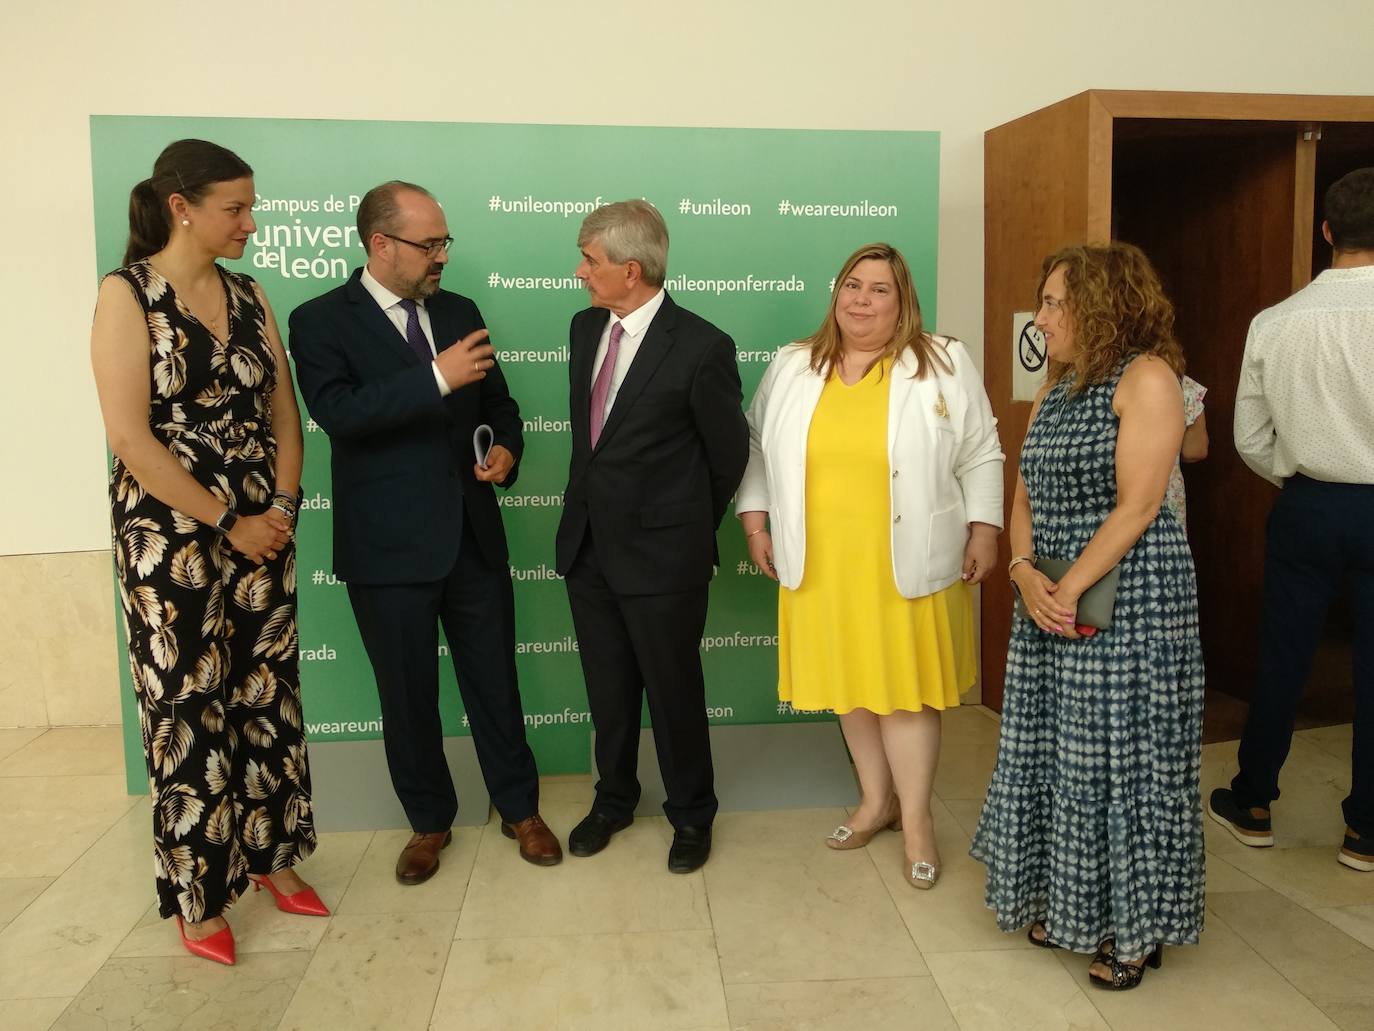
x: 630, y: 230
x: 379, y: 212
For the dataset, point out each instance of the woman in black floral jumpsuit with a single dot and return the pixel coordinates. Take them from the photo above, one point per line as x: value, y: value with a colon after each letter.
x: 201, y: 415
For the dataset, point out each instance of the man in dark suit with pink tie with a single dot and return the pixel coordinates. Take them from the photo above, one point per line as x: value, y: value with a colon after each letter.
x: 659, y: 444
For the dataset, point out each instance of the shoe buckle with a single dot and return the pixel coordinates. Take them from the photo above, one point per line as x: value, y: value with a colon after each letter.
x: 841, y: 834
x: 923, y: 871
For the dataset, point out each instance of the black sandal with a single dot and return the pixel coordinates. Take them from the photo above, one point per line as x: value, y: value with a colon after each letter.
x: 1106, y: 949
x: 1040, y: 943
x: 1125, y: 976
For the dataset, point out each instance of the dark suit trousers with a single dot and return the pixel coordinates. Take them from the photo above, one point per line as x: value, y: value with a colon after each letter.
x: 1320, y: 534
x: 398, y: 624
x: 632, y: 645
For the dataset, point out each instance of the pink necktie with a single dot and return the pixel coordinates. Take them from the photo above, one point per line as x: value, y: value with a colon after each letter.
x: 602, y: 387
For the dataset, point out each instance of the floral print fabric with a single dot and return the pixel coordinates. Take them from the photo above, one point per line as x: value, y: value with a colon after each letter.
x: 212, y: 636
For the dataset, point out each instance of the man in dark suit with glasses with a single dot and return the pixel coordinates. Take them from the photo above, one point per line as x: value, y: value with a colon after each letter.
x: 399, y: 374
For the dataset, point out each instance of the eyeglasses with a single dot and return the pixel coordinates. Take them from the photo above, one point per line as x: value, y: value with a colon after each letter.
x: 431, y: 249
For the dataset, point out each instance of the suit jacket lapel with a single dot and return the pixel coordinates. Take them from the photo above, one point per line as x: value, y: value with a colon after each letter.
x: 441, y: 323
x: 376, y: 322
x: 658, y: 339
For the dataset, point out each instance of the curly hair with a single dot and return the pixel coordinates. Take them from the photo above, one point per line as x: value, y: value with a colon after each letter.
x: 910, y: 333
x: 1117, y: 308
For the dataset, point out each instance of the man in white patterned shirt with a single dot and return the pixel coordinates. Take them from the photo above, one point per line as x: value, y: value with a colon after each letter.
x: 1305, y: 421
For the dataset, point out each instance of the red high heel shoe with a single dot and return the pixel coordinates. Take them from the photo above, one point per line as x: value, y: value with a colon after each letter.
x: 304, y: 903
x: 219, y: 946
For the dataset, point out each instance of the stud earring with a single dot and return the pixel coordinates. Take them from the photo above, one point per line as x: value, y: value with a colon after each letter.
x: 186, y: 221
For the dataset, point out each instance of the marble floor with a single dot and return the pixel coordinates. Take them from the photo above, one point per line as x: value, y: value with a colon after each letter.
x: 776, y: 932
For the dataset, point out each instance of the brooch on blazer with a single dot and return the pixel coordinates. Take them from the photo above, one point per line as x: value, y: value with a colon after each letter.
x: 941, y: 409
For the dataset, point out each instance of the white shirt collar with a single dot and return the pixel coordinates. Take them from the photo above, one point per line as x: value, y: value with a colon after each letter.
x: 637, y: 321
x: 385, y: 299
x: 1352, y: 274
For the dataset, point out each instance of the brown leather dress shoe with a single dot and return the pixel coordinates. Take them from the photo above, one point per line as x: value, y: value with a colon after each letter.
x: 537, y: 843
x: 420, y: 858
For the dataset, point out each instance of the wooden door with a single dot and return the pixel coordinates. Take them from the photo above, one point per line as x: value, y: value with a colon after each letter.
x: 1047, y: 184
x: 1214, y: 207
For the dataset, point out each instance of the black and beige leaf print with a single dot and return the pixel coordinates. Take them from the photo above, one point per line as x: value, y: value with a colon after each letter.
x: 212, y: 636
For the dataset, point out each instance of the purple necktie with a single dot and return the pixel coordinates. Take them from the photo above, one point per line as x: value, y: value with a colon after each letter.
x: 601, y: 389
x: 415, y: 336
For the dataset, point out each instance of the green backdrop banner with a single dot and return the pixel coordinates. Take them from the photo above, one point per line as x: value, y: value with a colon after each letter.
x: 760, y: 221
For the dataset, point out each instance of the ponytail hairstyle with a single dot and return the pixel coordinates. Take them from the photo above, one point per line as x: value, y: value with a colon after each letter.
x: 188, y: 168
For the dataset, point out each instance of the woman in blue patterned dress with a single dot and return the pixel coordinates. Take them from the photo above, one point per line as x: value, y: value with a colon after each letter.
x: 1092, y: 829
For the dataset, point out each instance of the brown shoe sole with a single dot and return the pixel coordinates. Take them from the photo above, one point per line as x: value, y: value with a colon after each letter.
x: 552, y: 860
x: 421, y: 878
x: 1356, y: 861
x: 1255, y: 839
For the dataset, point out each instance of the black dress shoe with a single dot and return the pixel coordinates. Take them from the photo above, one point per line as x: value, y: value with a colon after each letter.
x: 594, y: 833
x: 691, y: 848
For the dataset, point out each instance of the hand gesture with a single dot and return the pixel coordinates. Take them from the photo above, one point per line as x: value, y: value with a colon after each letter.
x: 466, y: 361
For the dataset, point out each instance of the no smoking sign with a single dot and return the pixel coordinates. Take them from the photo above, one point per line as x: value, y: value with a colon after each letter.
x: 1027, y: 356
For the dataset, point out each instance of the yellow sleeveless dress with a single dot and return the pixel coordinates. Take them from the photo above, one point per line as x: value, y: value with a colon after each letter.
x: 846, y: 638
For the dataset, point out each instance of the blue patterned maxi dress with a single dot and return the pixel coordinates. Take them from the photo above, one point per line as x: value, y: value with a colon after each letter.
x: 1093, y: 821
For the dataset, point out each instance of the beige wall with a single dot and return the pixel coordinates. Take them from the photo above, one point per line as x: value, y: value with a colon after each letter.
x: 885, y: 64
x: 57, y: 646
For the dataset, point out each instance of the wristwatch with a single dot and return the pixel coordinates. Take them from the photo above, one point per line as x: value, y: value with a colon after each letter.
x: 226, y: 522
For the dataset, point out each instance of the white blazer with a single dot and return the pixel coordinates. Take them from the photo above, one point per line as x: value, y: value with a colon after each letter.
x: 942, y: 451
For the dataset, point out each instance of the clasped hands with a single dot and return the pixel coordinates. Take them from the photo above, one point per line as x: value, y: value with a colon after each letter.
x: 1052, y: 606
x: 260, y: 537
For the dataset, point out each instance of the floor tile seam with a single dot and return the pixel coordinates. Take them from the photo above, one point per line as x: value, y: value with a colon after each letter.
x: 1317, y: 743
x: 586, y: 934
x: 51, y: 881
x: 70, y: 1007
x: 353, y: 874
x: 1091, y: 997
x: 53, y: 776
x: 1277, y: 972
x: 897, y: 910
x: 1079, y: 988
x: 32, y: 998
x: 1282, y: 886
x: 80, y: 856
x: 314, y: 955
x: 31, y: 741
x: 715, y: 947
x: 834, y: 980
x: 439, y: 985
x: 1333, y: 926
x: 350, y: 914
x: 1011, y: 942
x: 472, y: 867
x: 943, y: 997
x: 1321, y: 913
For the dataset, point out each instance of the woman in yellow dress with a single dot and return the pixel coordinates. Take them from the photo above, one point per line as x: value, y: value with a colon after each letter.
x: 874, y: 496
